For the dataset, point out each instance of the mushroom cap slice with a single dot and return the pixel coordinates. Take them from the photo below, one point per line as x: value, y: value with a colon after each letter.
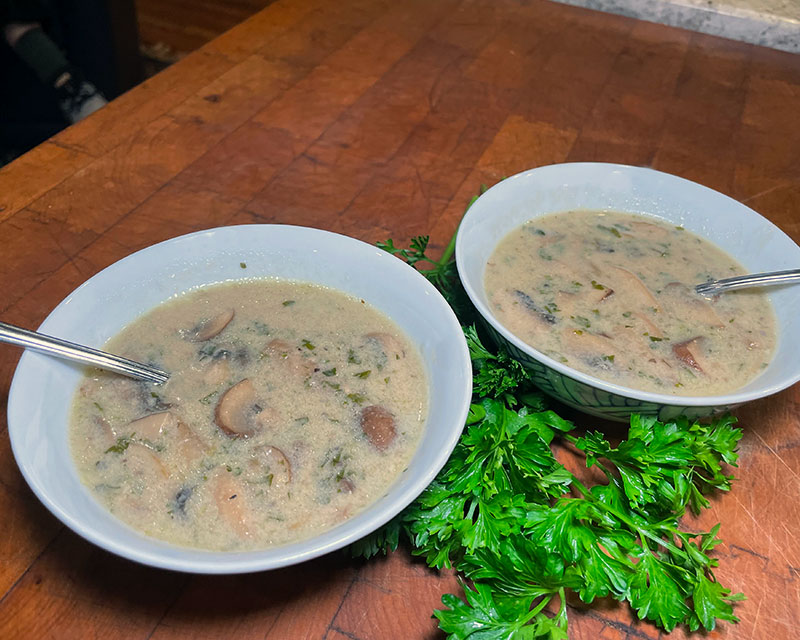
x: 210, y: 327
x: 231, y: 502
x: 684, y: 303
x: 690, y: 353
x: 379, y: 426
x: 143, y: 463
x: 270, y: 461
x: 631, y: 287
x: 288, y: 356
x: 235, y: 412
x: 392, y: 347
x: 153, y: 426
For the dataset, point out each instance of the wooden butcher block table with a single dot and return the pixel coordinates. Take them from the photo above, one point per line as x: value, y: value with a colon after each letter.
x: 378, y: 119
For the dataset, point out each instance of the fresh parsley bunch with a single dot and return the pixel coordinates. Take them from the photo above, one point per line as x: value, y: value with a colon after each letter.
x: 525, y: 532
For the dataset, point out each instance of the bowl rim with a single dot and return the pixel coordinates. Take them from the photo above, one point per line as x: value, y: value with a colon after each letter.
x: 729, y: 399
x: 164, y: 555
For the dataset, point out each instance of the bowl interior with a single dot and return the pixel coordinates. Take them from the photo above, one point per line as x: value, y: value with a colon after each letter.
x: 751, y: 239
x: 43, y: 387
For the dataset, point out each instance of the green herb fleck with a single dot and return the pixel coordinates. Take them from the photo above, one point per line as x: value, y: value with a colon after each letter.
x: 597, y: 285
x: 610, y: 230
x: 261, y: 328
x: 358, y: 398
x: 243, y: 265
x: 524, y: 532
x: 352, y: 358
x: 121, y: 444
x: 656, y: 339
x: 288, y: 303
x: 308, y: 345
x: 584, y: 322
x: 362, y: 374
x: 329, y: 372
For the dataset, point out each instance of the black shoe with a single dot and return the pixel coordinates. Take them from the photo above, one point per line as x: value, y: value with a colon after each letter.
x: 78, y: 98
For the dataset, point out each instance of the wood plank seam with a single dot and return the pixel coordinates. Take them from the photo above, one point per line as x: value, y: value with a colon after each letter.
x: 341, y: 604
x: 282, y: 172
x: 44, y: 550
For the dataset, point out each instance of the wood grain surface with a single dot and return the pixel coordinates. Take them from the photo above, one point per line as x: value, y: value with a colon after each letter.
x: 381, y: 119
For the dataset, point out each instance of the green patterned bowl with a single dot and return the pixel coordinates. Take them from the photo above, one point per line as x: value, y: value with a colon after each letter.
x: 754, y: 241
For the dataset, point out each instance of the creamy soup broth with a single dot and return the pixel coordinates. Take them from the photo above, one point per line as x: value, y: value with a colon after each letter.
x: 610, y: 294
x: 290, y: 408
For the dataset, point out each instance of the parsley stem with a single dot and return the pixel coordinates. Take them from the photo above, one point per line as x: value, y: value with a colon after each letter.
x: 643, y: 533
x: 449, y: 249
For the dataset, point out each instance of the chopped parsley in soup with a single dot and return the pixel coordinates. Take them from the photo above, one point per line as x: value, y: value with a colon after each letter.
x: 290, y: 408
x: 611, y: 295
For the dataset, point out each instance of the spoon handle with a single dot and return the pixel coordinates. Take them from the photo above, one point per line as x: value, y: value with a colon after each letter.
x: 79, y: 353
x: 752, y: 280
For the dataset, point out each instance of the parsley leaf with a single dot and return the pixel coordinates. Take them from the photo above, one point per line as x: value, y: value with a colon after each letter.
x: 508, y: 516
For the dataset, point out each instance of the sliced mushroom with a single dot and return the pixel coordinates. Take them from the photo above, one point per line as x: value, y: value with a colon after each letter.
x: 231, y: 503
x: 390, y: 345
x: 210, y: 327
x: 271, y: 463
x: 296, y: 364
x: 379, y: 426
x: 105, y: 434
x: 144, y: 464
x: 652, y: 328
x: 586, y: 343
x: 689, y: 352
x: 278, y: 347
x: 684, y: 303
x: 154, y: 426
x: 189, y: 444
x: 594, y: 296
x: 630, y: 286
x: 236, y: 410
x: 217, y: 372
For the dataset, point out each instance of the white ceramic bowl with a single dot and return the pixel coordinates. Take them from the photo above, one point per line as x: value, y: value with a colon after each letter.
x: 751, y: 239
x: 43, y: 387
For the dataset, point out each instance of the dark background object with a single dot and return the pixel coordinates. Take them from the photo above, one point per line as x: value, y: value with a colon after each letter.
x: 99, y: 37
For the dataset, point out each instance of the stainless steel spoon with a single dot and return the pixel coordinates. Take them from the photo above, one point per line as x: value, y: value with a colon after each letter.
x: 713, y: 287
x: 79, y: 353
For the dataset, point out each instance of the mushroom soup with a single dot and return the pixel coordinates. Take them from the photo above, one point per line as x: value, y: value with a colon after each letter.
x: 611, y: 295
x: 290, y: 407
